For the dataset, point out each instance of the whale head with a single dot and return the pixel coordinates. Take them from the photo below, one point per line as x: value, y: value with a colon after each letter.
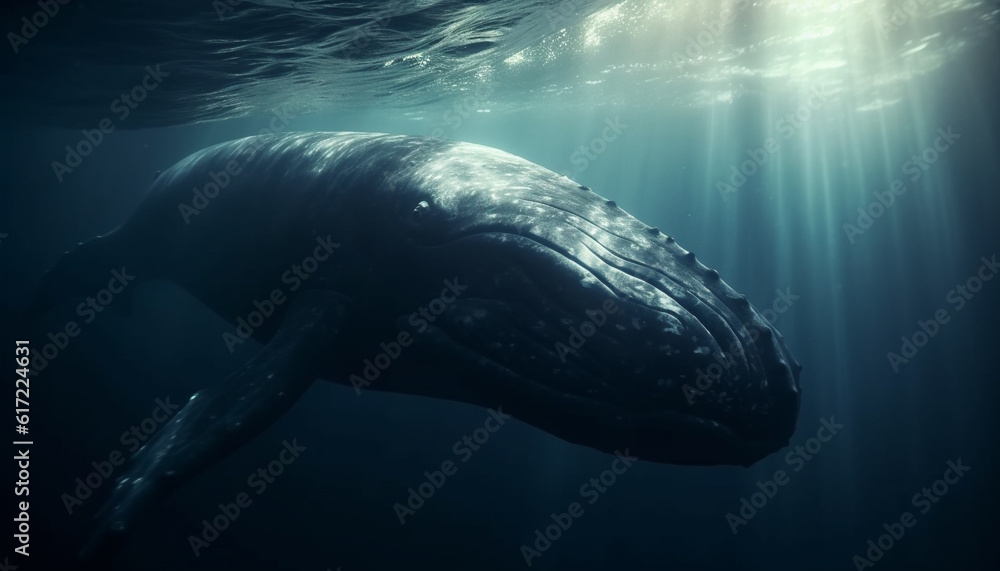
x: 579, y: 318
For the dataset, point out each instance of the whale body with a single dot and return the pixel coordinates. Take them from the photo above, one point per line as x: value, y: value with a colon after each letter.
x: 440, y: 269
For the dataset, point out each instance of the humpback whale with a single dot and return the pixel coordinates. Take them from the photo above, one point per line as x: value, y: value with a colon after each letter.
x: 440, y: 269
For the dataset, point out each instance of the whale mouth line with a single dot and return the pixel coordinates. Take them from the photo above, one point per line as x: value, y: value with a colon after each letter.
x: 553, y: 248
x: 612, y: 273
x: 675, y: 308
x: 502, y: 234
x: 721, y: 328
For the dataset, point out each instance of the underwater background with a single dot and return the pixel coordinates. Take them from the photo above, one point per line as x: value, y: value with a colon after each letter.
x: 837, y: 162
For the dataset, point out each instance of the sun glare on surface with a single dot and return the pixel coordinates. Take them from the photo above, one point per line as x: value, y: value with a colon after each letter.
x: 701, y: 52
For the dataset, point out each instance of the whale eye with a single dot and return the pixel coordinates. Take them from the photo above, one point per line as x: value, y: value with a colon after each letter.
x: 421, y: 210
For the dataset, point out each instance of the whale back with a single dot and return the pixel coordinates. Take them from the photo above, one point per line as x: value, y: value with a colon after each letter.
x: 222, y: 222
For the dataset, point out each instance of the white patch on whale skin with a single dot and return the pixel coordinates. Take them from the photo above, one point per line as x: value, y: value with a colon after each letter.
x: 671, y: 324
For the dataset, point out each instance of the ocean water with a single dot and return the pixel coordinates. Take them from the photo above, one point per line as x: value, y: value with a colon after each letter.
x: 837, y: 162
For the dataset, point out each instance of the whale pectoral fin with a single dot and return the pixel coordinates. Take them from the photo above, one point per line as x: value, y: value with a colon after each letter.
x: 218, y: 419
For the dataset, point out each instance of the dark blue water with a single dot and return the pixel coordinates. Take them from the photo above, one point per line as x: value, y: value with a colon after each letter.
x: 848, y: 300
